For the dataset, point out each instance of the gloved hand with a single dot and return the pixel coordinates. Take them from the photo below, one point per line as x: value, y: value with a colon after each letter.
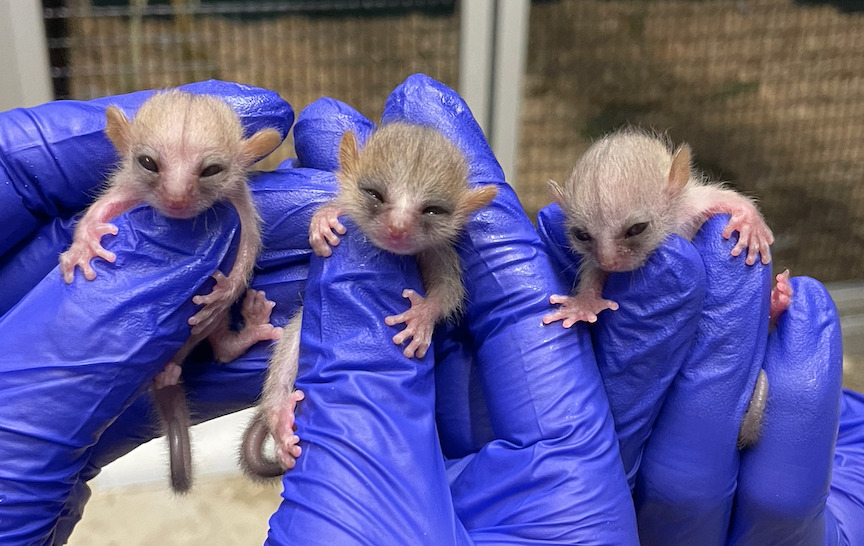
x: 78, y: 358
x: 522, y: 487
x: 679, y: 360
x: 543, y: 470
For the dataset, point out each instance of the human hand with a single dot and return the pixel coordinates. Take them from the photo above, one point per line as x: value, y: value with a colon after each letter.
x: 545, y: 469
x: 77, y: 358
x: 679, y: 360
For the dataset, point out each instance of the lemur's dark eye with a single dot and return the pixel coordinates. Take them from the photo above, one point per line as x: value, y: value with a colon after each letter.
x: 580, y: 235
x: 148, y: 163
x: 374, y: 194
x: 636, y: 229
x: 211, y: 170
x: 434, y: 210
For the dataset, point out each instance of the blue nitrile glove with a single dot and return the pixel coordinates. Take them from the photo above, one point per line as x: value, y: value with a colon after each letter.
x: 94, y: 366
x: 679, y: 360
x: 76, y: 356
x: 372, y: 471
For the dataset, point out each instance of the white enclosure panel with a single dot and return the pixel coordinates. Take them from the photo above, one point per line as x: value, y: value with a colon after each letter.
x: 25, y: 77
x: 476, y: 54
x: 511, y: 45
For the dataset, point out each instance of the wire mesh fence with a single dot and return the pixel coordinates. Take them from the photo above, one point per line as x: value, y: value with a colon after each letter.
x: 770, y: 93
x: 356, y: 51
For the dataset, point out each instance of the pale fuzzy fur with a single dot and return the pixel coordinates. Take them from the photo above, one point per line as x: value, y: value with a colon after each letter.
x: 413, y: 167
x: 623, y: 180
x: 184, y: 133
x: 625, y: 195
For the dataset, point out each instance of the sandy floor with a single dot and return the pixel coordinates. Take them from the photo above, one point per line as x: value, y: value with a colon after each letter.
x: 227, y: 511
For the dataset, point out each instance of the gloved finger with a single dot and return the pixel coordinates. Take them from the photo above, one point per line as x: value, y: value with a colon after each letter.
x: 319, y: 129
x: 371, y: 471
x: 462, y: 417
x: 76, y: 355
x: 286, y: 200
x: 28, y: 262
x: 640, y: 347
x: 366, y: 404
x: 845, y: 502
x: 54, y: 157
x: 686, y: 483
x: 784, y: 480
x: 545, y: 400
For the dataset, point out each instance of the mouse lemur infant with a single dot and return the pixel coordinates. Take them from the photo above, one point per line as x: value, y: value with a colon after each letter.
x: 181, y: 154
x: 626, y: 194
x: 407, y: 190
